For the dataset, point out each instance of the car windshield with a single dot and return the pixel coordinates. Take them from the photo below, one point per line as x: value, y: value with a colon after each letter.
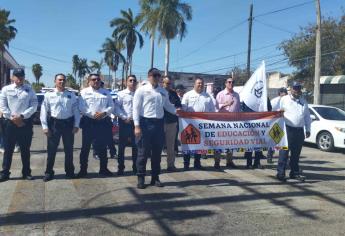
x: 330, y: 113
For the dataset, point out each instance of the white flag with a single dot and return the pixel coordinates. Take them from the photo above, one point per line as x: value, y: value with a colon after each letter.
x: 254, y: 92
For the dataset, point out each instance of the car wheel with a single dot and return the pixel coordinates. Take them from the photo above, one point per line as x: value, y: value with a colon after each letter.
x: 325, y: 141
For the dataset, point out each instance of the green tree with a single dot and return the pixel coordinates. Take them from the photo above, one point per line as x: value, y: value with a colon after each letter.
x: 37, y: 86
x: 96, y: 66
x: 83, y: 69
x: 300, y: 50
x: 172, y: 17
x: 75, y: 65
x: 126, y: 31
x: 113, y: 56
x: 37, y: 71
x: 71, y: 82
x: 149, y: 18
x: 7, y: 33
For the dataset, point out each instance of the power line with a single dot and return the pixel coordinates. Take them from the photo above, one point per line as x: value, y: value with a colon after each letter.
x: 274, y: 27
x: 224, y: 57
x: 284, y: 9
x: 43, y: 56
x: 213, y: 39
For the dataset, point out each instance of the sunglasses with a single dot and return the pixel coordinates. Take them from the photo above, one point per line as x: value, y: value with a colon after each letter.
x: 230, y: 82
x: 156, y: 75
x: 95, y: 79
x: 132, y: 80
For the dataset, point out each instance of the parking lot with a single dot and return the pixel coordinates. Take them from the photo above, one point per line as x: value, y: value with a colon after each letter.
x: 238, y: 202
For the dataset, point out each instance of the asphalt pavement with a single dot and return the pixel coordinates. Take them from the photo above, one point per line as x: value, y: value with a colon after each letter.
x: 225, y: 202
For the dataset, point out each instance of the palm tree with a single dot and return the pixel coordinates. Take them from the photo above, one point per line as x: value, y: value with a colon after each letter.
x: 37, y: 71
x: 126, y: 31
x: 75, y: 65
x: 83, y: 69
x: 96, y: 66
x: 7, y: 33
x: 149, y: 18
x: 113, y: 56
x: 172, y: 16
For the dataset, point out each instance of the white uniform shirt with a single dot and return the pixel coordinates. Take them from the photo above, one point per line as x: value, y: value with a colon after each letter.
x: 150, y: 102
x: 275, y: 103
x: 20, y: 100
x: 124, y: 108
x: 197, y: 102
x: 296, y: 112
x: 59, y: 105
x: 92, y: 101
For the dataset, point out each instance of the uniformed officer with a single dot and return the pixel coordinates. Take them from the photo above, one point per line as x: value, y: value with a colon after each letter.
x: 297, y: 118
x: 96, y: 106
x: 18, y: 102
x: 124, y: 110
x: 60, y: 117
x: 149, y: 103
x: 196, y: 100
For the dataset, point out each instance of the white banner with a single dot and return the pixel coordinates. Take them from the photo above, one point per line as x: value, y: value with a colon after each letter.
x: 232, y: 131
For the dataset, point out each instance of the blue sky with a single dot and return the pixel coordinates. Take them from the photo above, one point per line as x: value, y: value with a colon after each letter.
x: 60, y: 29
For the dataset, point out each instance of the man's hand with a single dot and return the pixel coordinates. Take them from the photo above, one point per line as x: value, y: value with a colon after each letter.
x: 307, y: 134
x: 18, y: 121
x: 99, y: 115
x: 75, y: 130
x: 47, y: 132
x: 128, y: 120
x: 137, y: 131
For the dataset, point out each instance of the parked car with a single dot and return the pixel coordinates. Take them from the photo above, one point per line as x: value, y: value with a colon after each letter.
x: 36, y: 116
x: 327, y: 127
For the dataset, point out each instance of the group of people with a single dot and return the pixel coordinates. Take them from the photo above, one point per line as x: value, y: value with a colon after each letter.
x: 147, y: 118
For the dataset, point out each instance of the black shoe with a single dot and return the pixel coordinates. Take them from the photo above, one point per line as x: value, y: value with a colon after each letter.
x: 172, y: 169
x: 82, y: 174
x: 281, y: 178
x: 298, y: 177
x: 106, y: 173
x: 156, y: 182
x: 231, y: 165
x: 28, y: 177
x: 48, y: 177
x: 217, y: 165
x: 258, y: 166
x: 4, y: 177
x: 199, y: 167
x: 120, y: 172
x: 141, y: 182
x: 70, y: 176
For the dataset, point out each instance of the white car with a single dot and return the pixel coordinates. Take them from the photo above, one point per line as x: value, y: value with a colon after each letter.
x: 327, y: 127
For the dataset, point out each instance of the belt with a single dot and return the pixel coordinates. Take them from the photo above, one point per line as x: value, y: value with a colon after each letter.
x: 151, y: 119
x: 57, y: 119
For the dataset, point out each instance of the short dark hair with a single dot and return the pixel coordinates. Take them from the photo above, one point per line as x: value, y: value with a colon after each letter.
x: 59, y: 74
x: 93, y: 74
x: 131, y: 76
x: 152, y: 70
x: 198, y: 78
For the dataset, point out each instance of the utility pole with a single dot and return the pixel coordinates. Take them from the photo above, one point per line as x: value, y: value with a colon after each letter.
x: 317, y: 97
x: 250, y: 19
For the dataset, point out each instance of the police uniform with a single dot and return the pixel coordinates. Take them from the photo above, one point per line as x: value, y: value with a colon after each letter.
x: 90, y: 102
x: 297, y: 117
x: 60, y: 114
x: 149, y: 103
x: 124, y: 110
x: 17, y: 100
x: 196, y: 102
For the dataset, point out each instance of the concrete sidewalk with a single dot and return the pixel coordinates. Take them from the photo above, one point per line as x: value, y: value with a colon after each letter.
x: 237, y: 202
